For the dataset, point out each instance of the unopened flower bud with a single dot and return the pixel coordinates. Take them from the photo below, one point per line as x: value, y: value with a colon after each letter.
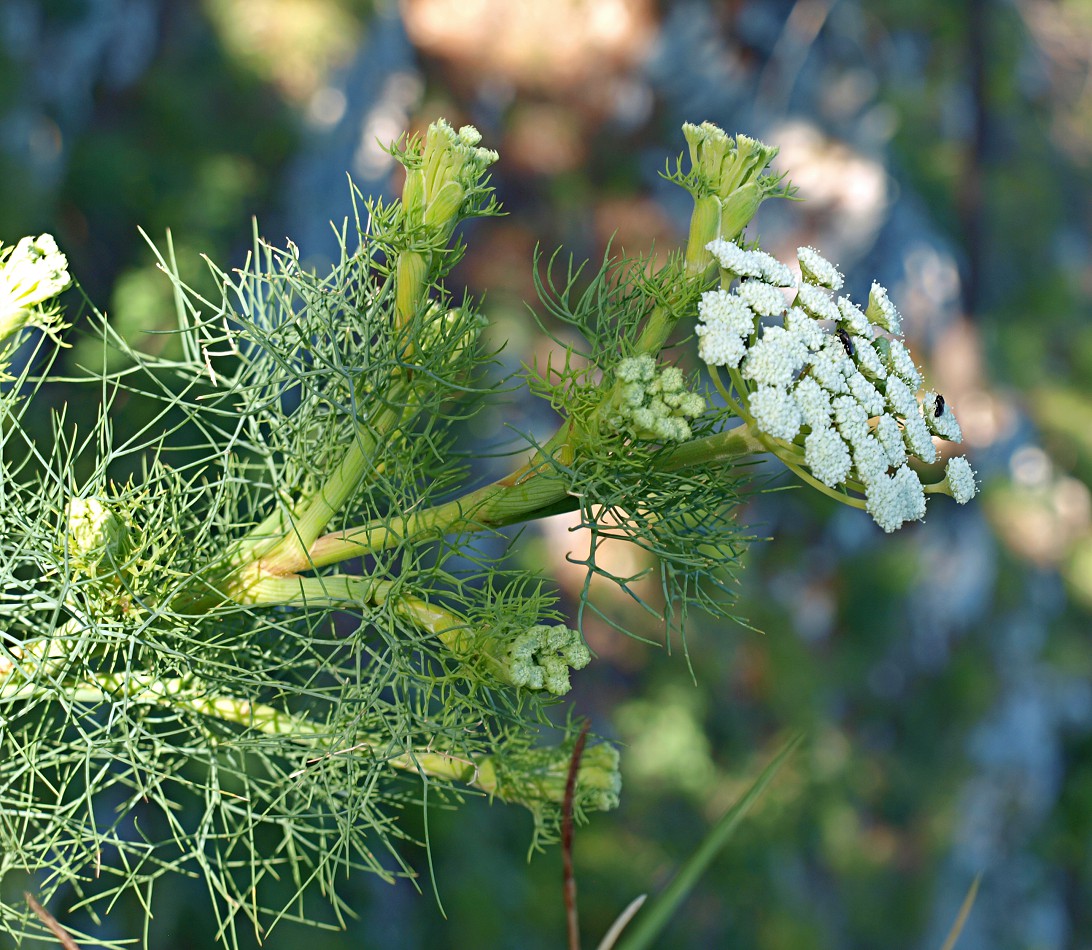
x: 541, y: 775
x: 443, y: 208
x: 413, y: 197
x: 540, y: 658
x: 739, y: 207
x: 410, y: 276
x: 94, y: 534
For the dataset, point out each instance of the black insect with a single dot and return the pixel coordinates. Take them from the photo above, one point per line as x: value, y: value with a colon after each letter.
x: 938, y: 409
x: 846, y: 341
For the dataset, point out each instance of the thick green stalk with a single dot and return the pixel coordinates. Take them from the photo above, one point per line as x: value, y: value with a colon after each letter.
x: 360, y: 458
x: 725, y: 446
x: 522, y: 496
x: 534, y: 488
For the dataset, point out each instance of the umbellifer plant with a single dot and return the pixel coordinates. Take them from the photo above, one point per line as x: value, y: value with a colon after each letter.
x: 242, y: 635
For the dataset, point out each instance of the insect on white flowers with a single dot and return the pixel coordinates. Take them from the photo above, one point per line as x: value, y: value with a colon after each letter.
x: 828, y: 387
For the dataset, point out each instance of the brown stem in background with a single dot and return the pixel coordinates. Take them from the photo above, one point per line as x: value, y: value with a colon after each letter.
x: 62, y: 935
x: 567, y: 876
x: 971, y: 206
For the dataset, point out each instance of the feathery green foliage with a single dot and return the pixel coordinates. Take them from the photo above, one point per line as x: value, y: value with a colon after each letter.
x: 244, y: 627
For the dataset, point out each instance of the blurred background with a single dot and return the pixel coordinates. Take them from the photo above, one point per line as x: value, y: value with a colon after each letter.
x: 943, y: 674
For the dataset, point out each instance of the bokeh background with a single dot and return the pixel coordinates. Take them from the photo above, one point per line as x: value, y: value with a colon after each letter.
x: 942, y: 674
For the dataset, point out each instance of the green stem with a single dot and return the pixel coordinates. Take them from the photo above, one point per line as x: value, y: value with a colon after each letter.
x: 189, y: 693
x: 534, y: 489
x: 522, y: 496
x: 722, y: 447
x: 663, y: 319
x: 341, y: 590
x: 316, y: 512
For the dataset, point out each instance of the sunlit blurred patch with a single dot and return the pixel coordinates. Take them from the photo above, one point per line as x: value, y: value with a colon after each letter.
x: 293, y: 43
x: 559, y: 48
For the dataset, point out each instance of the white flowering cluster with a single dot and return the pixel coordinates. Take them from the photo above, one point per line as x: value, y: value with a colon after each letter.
x: 653, y: 402
x: 839, y: 396
x: 31, y: 273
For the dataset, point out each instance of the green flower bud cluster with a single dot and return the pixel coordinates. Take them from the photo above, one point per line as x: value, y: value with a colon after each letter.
x: 727, y: 182
x: 540, y: 658
x: 652, y: 403
x: 443, y: 186
x: 452, y: 165
x: 95, y: 536
x: 540, y: 776
x: 32, y: 272
x: 722, y: 163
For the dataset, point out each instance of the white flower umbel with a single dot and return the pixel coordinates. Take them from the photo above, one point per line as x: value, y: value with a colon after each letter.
x: 764, y: 299
x: 776, y: 412
x: 756, y: 264
x: 831, y: 390
x: 775, y: 359
x: 32, y: 273
x: 852, y: 318
x: 901, y: 364
x: 827, y: 456
x: 939, y: 417
x: 817, y: 302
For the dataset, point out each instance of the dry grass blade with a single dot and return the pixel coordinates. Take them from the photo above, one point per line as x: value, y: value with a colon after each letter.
x: 964, y: 913
x: 62, y: 935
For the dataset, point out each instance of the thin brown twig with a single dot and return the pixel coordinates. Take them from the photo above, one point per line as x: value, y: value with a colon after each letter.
x: 568, y: 878
x: 62, y: 935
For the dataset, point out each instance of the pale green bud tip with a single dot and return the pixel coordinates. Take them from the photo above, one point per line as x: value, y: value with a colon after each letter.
x: 31, y: 273
x: 469, y: 135
x: 94, y: 532
x: 540, y: 658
